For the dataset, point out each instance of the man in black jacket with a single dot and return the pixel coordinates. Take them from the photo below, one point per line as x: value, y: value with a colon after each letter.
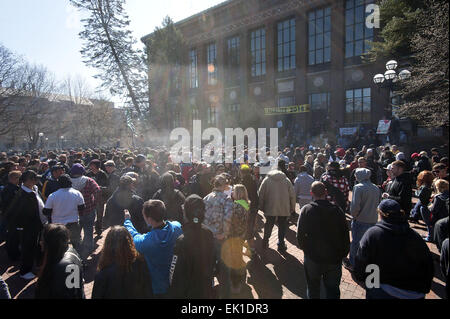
x: 113, y: 177
x: 404, y: 262
x: 124, y: 198
x: 192, y: 268
x: 400, y: 189
x: 7, y: 197
x: 323, y: 236
x: 29, y: 218
x: 98, y: 175
x: 51, y: 184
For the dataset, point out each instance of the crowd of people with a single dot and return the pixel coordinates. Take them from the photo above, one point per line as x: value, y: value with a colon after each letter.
x: 170, y: 228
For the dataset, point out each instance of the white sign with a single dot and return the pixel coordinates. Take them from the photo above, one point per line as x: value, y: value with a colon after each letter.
x: 383, y: 126
x: 348, y: 130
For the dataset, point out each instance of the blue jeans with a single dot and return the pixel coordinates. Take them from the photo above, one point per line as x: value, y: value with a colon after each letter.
x: 87, y: 225
x: 358, y: 231
x: 426, y: 216
x: 331, y: 275
x: 377, y: 293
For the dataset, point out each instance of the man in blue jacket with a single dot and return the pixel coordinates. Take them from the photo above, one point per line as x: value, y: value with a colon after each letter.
x: 157, y: 245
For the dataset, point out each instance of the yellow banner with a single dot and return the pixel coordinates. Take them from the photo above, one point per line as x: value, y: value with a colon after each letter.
x: 286, y: 109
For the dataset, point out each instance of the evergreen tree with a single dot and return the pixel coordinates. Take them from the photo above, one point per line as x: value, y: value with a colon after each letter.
x: 398, y: 26
x: 426, y: 92
x: 109, y: 47
x: 167, y: 56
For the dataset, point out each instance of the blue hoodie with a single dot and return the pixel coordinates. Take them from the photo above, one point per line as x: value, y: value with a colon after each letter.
x: 157, y: 248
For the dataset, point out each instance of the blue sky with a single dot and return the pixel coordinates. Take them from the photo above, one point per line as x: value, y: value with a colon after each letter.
x: 46, y: 31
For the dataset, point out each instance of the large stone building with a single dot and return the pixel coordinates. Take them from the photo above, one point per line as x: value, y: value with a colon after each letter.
x: 248, y: 59
x: 52, y: 121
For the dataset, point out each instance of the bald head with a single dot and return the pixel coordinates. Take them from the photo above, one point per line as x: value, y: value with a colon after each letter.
x: 318, y: 190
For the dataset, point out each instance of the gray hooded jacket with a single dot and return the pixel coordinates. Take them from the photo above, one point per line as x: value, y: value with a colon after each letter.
x: 365, y: 199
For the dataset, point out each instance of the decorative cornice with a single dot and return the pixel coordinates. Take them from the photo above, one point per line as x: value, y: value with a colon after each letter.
x: 255, y: 19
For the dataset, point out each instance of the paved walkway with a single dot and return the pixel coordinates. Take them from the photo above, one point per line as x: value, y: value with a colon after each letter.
x: 271, y: 275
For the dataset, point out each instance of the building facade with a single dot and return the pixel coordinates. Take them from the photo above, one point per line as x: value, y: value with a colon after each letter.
x: 250, y: 59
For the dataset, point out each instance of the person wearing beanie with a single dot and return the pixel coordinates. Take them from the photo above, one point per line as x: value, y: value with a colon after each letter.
x: 63, y: 207
x: 193, y: 262
x: 363, y: 208
x: 402, y: 257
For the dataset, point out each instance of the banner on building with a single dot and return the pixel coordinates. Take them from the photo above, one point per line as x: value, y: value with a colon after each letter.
x: 348, y: 130
x: 286, y: 110
x: 383, y: 126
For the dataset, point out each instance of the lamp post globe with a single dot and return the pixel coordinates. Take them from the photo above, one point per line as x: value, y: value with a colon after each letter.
x: 404, y: 74
x: 378, y: 78
x: 390, y: 75
x: 391, y: 65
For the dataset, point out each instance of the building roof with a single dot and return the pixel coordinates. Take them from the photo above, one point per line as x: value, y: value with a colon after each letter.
x: 197, y: 15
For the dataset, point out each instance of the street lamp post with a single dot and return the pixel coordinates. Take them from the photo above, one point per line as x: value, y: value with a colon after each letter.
x: 41, y: 142
x: 390, y: 77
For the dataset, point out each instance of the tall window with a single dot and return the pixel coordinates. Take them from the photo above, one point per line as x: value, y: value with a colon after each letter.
x: 193, y: 71
x: 357, y: 106
x: 357, y: 36
x: 233, y: 59
x: 258, y: 51
x: 319, y: 35
x: 319, y: 102
x: 286, y: 45
x: 212, y: 64
x: 212, y: 115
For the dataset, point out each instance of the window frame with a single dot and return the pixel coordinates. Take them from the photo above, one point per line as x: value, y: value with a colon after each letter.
x: 364, y: 117
x: 260, y: 65
x: 193, y: 69
x: 282, y: 43
x: 354, y: 26
x: 324, y: 48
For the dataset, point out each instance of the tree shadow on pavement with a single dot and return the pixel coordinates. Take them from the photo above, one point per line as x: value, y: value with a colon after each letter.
x: 291, y: 236
x: 263, y: 280
x: 291, y: 274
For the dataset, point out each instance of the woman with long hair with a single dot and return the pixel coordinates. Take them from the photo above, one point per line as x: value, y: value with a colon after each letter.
x: 55, y: 281
x: 423, y: 193
x: 234, y: 244
x: 122, y: 271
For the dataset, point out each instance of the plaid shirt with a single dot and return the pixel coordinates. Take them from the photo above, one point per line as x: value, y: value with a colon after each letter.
x: 218, y: 213
x: 340, y: 183
x: 91, y: 193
